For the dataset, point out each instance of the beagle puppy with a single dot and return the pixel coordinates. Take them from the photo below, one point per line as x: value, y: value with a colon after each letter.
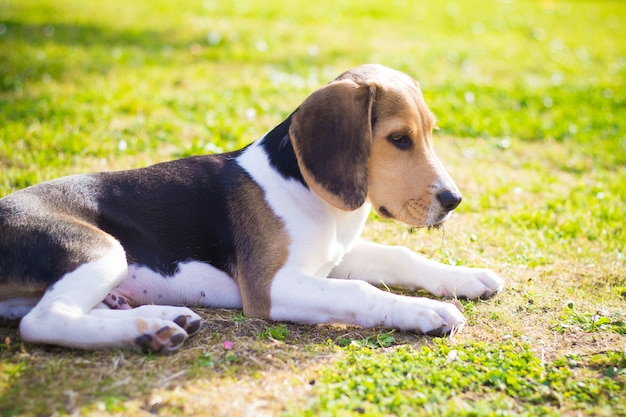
x: 114, y: 258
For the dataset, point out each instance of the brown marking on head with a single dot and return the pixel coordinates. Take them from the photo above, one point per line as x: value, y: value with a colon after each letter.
x: 368, y: 135
x: 261, y: 246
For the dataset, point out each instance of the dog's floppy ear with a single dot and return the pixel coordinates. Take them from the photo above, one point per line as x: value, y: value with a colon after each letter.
x: 332, y: 135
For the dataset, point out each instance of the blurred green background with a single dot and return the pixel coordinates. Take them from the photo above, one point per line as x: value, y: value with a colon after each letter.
x: 82, y: 81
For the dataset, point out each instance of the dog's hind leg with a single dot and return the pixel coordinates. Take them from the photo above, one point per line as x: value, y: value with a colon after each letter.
x: 62, y: 316
x: 182, y: 316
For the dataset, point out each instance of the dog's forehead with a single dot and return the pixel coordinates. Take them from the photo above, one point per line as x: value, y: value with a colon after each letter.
x: 380, y: 75
x: 400, y: 100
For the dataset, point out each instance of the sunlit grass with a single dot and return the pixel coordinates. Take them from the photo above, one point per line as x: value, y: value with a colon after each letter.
x: 464, y: 380
x: 80, y: 77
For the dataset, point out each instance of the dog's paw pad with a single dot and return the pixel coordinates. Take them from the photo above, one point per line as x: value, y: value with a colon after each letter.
x: 144, y: 342
x: 116, y: 302
x: 166, y: 339
x: 170, y: 337
x: 189, y: 323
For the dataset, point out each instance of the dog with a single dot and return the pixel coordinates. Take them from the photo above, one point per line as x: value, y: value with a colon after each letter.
x: 116, y: 258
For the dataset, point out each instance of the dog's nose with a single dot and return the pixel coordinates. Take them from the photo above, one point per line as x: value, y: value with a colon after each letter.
x: 449, y: 200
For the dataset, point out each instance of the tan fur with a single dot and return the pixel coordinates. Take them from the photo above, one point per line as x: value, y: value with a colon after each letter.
x: 141, y: 325
x: 263, y: 243
x: 11, y: 290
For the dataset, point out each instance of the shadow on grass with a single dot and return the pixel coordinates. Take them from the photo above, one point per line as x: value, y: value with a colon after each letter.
x: 30, y: 52
x: 83, y: 35
x: 33, y: 52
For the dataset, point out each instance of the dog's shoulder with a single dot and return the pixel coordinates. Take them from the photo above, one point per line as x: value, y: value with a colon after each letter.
x: 319, y: 233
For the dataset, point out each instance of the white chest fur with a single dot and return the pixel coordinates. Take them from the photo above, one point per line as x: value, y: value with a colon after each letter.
x: 320, y: 234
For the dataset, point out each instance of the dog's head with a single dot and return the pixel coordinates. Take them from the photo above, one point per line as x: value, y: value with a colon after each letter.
x: 367, y: 135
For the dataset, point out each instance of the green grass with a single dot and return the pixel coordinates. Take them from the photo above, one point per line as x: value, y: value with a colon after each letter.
x: 590, y: 322
x: 470, y: 379
x: 530, y: 101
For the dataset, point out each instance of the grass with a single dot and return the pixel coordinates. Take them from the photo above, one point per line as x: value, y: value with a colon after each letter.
x: 469, y: 379
x: 531, y: 108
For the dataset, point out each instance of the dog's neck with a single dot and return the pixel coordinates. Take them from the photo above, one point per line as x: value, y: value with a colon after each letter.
x: 280, y: 152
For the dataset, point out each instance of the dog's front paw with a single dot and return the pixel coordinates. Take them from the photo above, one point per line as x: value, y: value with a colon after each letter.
x: 434, y: 318
x: 473, y: 283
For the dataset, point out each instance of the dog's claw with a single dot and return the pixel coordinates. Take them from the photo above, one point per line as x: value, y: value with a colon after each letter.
x: 491, y: 293
x: 439, y: 331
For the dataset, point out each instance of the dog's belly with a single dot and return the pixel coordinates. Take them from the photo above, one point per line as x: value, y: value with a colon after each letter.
x: 195, y: 284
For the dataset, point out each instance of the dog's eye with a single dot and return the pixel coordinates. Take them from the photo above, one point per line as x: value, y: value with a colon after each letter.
x: 401, y: 141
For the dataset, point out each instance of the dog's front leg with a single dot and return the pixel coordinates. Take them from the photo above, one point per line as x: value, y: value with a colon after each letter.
x: 395, y: 265
x: 307, y: 299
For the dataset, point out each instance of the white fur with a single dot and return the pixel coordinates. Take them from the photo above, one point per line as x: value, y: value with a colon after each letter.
x: 325, y: 239
x: 195, y: 283
x: 399, y: 266
x: 311, y: 299
x: 65, y: 315
x: 320, y: 234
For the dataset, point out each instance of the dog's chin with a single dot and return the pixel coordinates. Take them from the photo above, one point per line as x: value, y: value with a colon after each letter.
x: 437, y: 225
x: 430, y: 226
x: 440, y: 221
x: 423, y: 224
x: 415, y: 220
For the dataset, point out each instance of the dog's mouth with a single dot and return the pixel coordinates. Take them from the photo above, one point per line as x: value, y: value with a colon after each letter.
x: 383, y: 211
x: 415, y: 215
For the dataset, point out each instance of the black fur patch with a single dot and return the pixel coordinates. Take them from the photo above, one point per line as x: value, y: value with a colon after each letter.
x: 280, y: 152
x: 37, y: 244
x: 172, y: 212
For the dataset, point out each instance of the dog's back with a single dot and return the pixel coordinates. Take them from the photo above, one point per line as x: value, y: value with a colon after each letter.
x: 51, y: 228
